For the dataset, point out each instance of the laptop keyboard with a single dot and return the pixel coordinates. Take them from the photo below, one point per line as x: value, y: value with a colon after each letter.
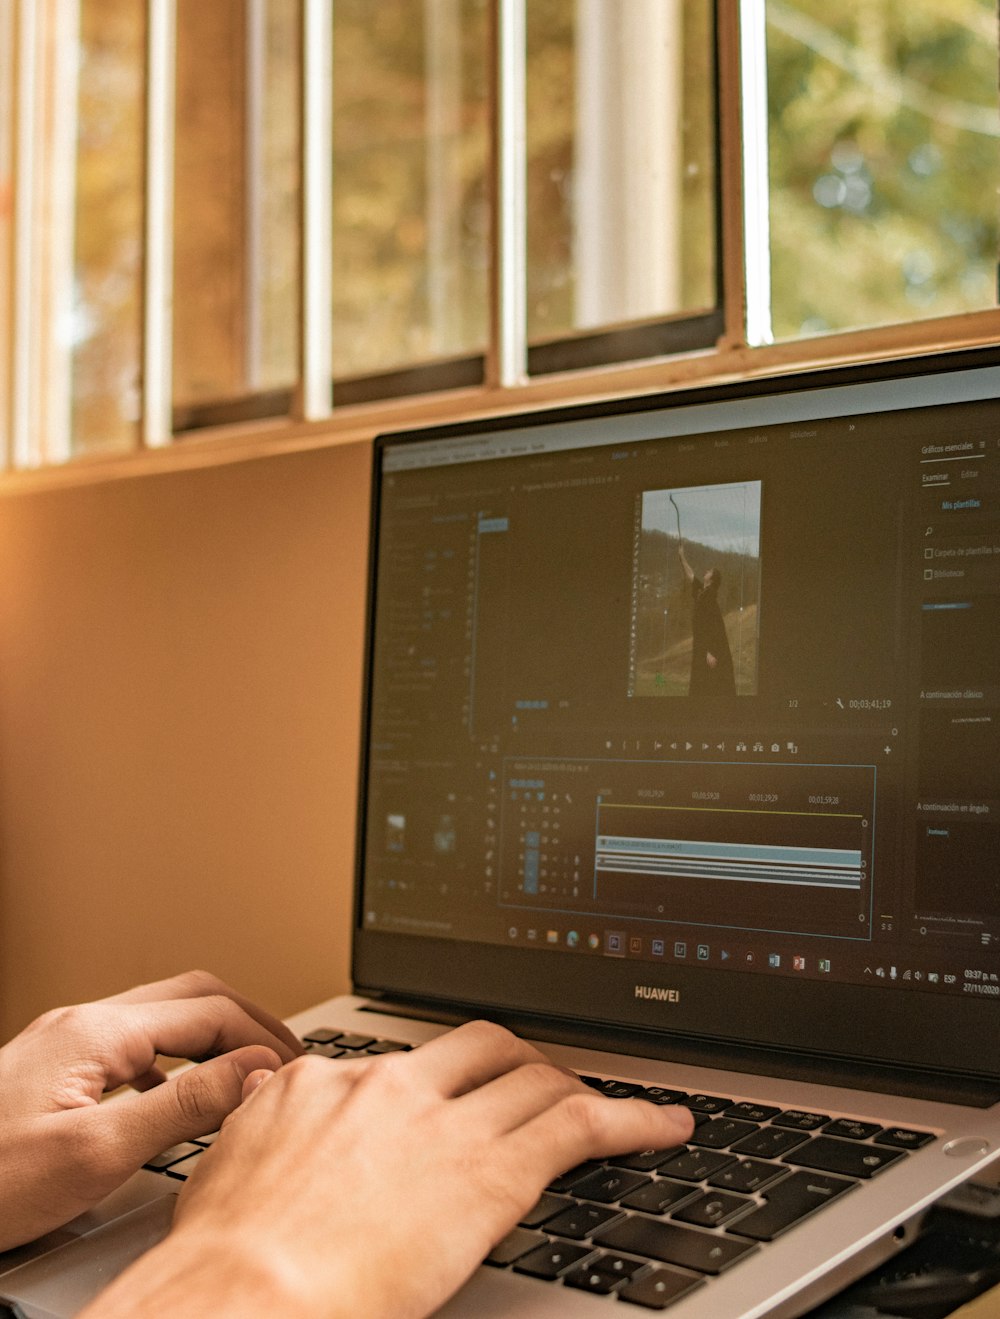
x: 651, y: 1226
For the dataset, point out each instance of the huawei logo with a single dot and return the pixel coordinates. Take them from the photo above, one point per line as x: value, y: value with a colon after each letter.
x: 657, y: 994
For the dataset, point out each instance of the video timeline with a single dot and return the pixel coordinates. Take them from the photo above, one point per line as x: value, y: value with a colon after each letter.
x: 778, y: 847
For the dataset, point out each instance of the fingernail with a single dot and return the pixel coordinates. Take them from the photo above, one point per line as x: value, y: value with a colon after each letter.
x: 254, y: 1080
x: 264, y: 1060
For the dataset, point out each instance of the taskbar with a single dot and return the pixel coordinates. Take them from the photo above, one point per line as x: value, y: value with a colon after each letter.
x: 976, y: 971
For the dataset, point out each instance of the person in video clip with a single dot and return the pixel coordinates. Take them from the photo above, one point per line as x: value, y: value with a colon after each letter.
x: 711, y: 661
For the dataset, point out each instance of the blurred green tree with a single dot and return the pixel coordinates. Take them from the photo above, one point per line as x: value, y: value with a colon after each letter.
x: 883, y: 140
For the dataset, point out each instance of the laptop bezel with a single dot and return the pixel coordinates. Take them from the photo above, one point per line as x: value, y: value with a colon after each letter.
x: 909, y: 1029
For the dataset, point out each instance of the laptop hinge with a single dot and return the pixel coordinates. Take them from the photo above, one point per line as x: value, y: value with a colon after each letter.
x: 940, y: 1087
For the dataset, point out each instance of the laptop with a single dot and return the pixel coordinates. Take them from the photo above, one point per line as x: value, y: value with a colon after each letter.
x: 681, y: 757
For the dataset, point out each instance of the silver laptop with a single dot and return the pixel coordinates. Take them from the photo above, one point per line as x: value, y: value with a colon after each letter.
x: 681, y: 756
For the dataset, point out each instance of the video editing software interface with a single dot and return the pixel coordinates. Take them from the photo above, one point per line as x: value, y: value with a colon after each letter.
x: 715, y: 685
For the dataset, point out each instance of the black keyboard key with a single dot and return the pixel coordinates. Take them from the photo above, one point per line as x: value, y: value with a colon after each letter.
x: 704, y: 1252
x: 770, y: 1143
x: 849, y: 1129
x: 618, y: 1089
x: 799, y: 1120
x: 592, y: 1280
x: 657, y: 1290
x: 844, y: 1156
x: 602, y: 1274
x: 183, y: 1170
x: 548, y: 1261
x: 747, y: 1175
x: 566, y: 1179
x: 904, y: 1139
x: 695, y: 1165
x: 617, y: 1266
x: 514, y: 1245
x: 355, y: 1041
x: 321, y: 1036
x: 327, y: 1051
x: 388, y: 1046
x: 580, y: 1221
x: 608, y: 1185
x: 752, y: 1112
x: 173, y: 1155
x: 659, y: 1196
x: 707, y: 1104
x: 788, y: 1203
x: 657, y: 1094
x: 544, y: 1209
x: 711, y: 1209
x: 646, y: 1160
x: 719, y: 1132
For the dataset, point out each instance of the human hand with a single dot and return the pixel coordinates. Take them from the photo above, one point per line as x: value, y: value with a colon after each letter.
x: 375, y: 1187
x: 710, y: 659
x: 61, y: 1150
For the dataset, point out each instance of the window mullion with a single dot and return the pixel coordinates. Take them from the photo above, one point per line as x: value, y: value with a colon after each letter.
x: 506, y: 364
x: 755, y: 183
x: 23, y: 436
x: 157, y: 375
x: 44, y: 171
x: 730, y: 181
x: 316, y: 278
x: 53, y: 374
x: 8, y: 119
x: 254, y: 190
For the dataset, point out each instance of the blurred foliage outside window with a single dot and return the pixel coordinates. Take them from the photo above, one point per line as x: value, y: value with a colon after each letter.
x: 884, y: 171
x: 410, y: 161
x: 105, y: 322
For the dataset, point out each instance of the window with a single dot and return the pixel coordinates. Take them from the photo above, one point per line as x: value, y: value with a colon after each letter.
x: 411, y: 148
x: 295, y: 212
x: 236, y: 205
x: 621, y: 186
x: 882, y: 142
x: 103, y: 318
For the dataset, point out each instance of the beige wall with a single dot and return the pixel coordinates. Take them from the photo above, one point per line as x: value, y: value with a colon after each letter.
x: 180, y: 666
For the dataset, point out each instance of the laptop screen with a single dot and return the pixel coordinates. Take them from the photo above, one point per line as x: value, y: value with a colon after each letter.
x: 684, y: 710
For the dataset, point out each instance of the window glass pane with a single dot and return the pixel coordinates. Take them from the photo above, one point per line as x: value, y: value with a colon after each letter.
x: 236, y: 200
x: 621, y: 163
x: 410, y: 161
x: 105, y: 325
x: 883, y: 160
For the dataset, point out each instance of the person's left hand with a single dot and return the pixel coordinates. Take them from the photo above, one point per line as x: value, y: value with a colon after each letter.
x: 61, y: 1149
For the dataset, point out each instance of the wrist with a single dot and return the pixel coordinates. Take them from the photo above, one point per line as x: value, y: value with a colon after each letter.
x: 230, y: 1278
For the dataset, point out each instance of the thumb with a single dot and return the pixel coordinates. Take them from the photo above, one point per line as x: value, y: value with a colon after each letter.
x: 190, y: 1104
x: 253, y: 1081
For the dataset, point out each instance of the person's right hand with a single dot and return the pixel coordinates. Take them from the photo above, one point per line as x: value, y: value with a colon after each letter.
x: 375, y: 1187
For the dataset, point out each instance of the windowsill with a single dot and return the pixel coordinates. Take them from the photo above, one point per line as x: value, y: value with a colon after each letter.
x: 358, y: 423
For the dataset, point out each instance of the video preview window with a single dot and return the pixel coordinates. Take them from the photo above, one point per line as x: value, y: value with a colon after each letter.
x: 698, y: 592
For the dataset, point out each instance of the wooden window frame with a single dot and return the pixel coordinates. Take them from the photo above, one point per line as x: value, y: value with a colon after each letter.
x: 316, y: 412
